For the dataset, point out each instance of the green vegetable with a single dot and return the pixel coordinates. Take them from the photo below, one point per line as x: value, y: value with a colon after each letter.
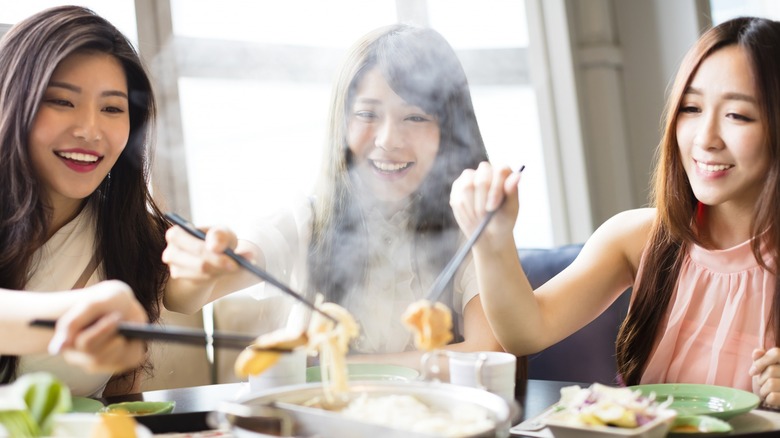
x: 18, y: 424
x: 43, y: 396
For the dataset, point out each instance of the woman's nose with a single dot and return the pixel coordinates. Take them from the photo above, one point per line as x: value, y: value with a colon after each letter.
x: 708, y: 134
x: 388, y: 136
x: 87, y: 125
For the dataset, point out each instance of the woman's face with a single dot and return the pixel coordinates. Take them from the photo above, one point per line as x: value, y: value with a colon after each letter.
x: 720, y: 131
x: 394, y: 143
x: 81, y: 128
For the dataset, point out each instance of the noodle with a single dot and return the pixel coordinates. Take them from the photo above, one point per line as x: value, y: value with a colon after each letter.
x: 332, y: 342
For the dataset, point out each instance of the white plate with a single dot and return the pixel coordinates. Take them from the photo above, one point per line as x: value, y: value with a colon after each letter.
x: 657, y: 428
x: 79, y: 424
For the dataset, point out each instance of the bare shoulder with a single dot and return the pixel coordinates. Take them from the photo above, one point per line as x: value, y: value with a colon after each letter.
x: 624, y: 236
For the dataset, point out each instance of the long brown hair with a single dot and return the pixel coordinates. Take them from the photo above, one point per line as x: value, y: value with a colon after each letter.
x: 675, y: 228
x: 422, y: 68
x: 130, y: 228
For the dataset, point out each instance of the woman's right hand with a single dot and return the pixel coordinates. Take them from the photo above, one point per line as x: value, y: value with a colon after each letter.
x: 196, y: 260
x: 86, y: 334
x: 476, y: 192
x: 200, y: 270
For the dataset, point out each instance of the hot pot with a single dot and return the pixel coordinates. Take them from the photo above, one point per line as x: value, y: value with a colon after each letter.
x: 279, y: 411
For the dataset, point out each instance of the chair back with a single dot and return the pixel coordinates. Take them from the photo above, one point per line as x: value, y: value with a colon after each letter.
x: 588, y: 355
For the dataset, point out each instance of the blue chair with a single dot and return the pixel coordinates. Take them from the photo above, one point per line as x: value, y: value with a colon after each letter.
x: 588, y: 355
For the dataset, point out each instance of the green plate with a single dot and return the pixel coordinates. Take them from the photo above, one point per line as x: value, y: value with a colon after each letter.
x: 360, y: 371
x: 699, y: 425
x: 87, y: 405
x: 142, y: 407
x: 693, y: 399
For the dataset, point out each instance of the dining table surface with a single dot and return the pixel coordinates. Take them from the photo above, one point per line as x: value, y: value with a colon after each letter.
x: 192, y: 404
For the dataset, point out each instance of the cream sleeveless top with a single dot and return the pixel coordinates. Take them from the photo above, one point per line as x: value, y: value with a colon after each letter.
x: 717, y: 316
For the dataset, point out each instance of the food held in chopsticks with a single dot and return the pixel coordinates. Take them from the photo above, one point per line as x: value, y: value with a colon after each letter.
x: 431, y: 324
x: 332, y: 343
x: 260, y: 356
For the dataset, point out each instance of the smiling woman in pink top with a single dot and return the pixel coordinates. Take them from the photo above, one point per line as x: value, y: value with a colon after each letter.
x: 702, y: 262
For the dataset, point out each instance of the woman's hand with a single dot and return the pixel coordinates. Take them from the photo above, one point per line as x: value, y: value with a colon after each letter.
x: 479, y: 191
x: 198, y: 260
x: 200, y: 270
x: 766, y: 376
x: 86, y: 334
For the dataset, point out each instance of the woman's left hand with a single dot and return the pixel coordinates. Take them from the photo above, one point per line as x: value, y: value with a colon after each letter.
x: 86, y: 334
x: 766, y: 376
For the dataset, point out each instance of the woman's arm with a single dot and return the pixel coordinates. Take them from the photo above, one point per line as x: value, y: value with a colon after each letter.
x: 525, y: 321
x: 85, y: 333
x: 201, y: 272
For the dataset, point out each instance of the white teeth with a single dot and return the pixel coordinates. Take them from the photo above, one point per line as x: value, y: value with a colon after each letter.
x: 390, y: 167
x: 712, y: 167
x: 75, y: 156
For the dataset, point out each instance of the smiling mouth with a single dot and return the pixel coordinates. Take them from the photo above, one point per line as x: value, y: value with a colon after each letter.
x: 713, y: 167
x: 388, y: 167
x: 79, y: 157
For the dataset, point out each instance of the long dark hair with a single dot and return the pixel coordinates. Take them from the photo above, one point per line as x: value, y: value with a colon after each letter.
x: 422, y: 68
x: 130, y: 228
x: 675, y: 229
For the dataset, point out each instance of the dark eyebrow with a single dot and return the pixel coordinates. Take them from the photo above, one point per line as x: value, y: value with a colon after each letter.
x: 76, y: 89
x: 729, y: 96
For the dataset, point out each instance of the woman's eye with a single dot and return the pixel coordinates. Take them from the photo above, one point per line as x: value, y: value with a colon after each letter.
x: 368, y: 115
x: 417, y: 119
x: 689, y: 109
x: 739, y: 117
x: 113, y: 109
x: 58, y: 102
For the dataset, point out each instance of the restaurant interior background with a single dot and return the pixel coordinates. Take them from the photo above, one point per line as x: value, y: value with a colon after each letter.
x: 573, y: 89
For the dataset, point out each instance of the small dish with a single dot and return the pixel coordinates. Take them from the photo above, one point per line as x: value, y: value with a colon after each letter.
x: 137, y: 408
x: 84, y: 404
x: 656, y: 428
x: 84, y: 424
x: 695, y: 399
x: 360, y: 371
x: 699, y: 425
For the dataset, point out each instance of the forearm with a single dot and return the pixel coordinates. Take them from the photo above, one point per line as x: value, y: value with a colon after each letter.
x: 508, y: 300
x: 18, y: 308
x: 187, y: 296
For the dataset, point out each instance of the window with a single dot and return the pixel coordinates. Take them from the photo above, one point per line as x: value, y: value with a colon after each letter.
x: 723, y: 10
x: 252, y: 82
x: 254, y: 89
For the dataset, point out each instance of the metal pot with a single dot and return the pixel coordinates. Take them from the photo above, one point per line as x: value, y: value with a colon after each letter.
x: 279, y: 412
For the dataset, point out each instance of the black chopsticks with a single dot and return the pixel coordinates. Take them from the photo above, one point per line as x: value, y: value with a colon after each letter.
x: 449, y: 271
x: 244, y: 263
x: 182, y: 335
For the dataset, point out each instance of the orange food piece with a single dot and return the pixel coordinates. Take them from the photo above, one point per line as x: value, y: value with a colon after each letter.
x: 117, y: 424
x: 253, y: 360
x: 431, y: 324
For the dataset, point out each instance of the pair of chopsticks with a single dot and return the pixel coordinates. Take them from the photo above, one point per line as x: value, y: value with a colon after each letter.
x: 246, y: 264
x: 182, y: 335
x: 449, y: 271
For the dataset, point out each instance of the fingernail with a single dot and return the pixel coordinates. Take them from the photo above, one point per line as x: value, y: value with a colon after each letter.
x: 752, y: 371
x: 55, y: 345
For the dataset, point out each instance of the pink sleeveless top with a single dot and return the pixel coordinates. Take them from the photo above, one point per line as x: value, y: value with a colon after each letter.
x: 717, y: 316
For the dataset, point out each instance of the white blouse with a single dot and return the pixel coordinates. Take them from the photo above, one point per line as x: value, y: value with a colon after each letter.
x: 392, y: 283
x: 57, y: 266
